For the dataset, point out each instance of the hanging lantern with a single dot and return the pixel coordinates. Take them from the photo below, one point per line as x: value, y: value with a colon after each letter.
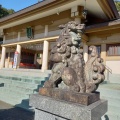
x: 29, y: 32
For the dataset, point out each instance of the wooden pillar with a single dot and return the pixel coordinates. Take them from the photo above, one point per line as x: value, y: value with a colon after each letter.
x: 8, y: 60
x: 3, y: 57
x: 18, y: 49
x: 45, y: 51
x: 45, y: 56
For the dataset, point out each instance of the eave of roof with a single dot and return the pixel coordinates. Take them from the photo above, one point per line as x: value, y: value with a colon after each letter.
x: 113, y: 7
x: 45, y: 3
x: 28, y: 9
x: 103, y: 26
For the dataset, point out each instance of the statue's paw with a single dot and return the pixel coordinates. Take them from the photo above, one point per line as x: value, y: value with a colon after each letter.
x: 49, y: 84
x: 75, y: 88
x: 90, y: 87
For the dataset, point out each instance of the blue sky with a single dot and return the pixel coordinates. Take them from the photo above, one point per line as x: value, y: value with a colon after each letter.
x: 17, y: 4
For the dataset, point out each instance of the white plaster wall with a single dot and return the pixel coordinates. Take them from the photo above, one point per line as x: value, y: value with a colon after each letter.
x: 24, y: 38
x: 114, y: 66
x: 114, y: 37
x: 38, y: 36
x: 61, y: 21
x: 101, y: 39
x: 39, y: 27
x: 54, y: 33
x: 10, y: 41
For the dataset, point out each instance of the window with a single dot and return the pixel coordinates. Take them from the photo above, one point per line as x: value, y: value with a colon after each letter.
x: 113, y: 50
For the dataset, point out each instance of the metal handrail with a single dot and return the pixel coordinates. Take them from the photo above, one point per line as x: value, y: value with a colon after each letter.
x: 110, y: 70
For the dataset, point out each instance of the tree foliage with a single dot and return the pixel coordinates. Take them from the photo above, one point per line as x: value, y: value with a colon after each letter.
x: 117, y: 3
x: 5, y: 12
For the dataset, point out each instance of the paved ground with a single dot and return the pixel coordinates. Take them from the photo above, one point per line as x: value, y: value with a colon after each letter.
x: 8, y: 112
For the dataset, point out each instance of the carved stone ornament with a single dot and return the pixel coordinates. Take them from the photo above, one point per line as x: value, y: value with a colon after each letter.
x: 70, y: 71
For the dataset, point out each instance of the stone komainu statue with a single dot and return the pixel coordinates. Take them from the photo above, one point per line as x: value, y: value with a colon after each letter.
x: 69, y: 67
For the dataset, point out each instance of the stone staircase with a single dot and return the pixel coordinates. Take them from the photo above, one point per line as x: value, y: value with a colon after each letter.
x: 17, y: 85
x: 111, y: 92
x: 114, y: 78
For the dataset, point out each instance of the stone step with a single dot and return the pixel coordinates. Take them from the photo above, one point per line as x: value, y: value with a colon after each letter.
x: 22, y: 69
x: 48, y: 71
x: 26, y: 76
x: 113, y: 105
x: 17, y: 89
x: 14, y: 94
x: 114, y: 109
x: 18, y: 83
x: 109, y: 93
x: 19, y: 101
x: 12, y: 99
x: 25, y: 79
x: 112, y: 101
x: 25, y: 72
x: 114, y: 78
x: 9, y: 100
x: 21, y: 89
x: 111, y: 116
x: 109, y: 90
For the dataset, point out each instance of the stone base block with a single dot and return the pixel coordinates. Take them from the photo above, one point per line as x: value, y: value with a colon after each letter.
x: 47, y: 108
x: 67, y: 95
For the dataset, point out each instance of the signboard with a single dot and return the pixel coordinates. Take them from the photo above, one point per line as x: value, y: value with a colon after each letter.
x: 29, y: 32
x: 15, y: 60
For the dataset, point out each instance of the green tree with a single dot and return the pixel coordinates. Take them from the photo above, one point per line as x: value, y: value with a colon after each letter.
x: 117, y: 3
x: 5, y: 12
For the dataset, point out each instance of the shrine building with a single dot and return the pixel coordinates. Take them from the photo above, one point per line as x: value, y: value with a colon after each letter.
x: 32, y: 32
x: 27, y: 37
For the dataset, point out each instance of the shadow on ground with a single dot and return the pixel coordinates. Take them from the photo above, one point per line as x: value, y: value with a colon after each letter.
x: 105, y: 117
x: 9, y: 112
x: 25, y: 105
x: 1, y: 84
x: 16, y: 113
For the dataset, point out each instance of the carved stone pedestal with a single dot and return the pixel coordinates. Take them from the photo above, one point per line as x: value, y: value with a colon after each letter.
x: 47, y: 108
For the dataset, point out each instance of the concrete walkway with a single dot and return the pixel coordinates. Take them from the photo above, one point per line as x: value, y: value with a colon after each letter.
x: 9, y: 112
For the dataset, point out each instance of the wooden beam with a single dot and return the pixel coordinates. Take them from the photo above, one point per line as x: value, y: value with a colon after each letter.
x: 31, y: 41
x: 42, y: 21
x: 84, y: 38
